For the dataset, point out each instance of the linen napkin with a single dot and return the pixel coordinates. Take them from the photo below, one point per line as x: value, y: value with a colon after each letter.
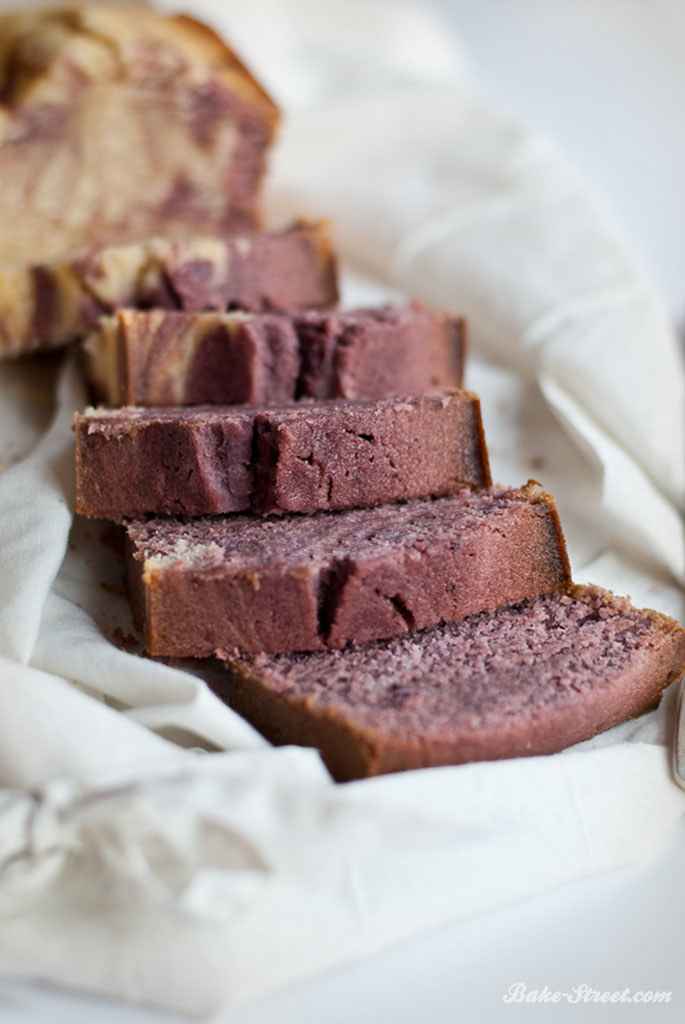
x: 152, y: 845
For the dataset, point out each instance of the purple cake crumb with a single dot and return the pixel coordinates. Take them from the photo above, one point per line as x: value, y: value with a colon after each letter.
x: 329, y: 579
x: 304, y: 457
x: 530, y: 678
x: 161, y: 357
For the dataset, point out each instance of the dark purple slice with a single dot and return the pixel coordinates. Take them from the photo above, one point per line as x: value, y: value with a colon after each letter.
x: 305, y: 457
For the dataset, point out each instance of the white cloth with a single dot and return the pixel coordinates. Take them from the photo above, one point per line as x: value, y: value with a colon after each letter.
x: 133, y: 865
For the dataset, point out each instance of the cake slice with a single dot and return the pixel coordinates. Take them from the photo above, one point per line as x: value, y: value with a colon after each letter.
x: 529, y: 679
x: 329, y: 579
x: 204, y: 460
x: 119, y: 123
x: 43, y: 306
x: 171, y: 358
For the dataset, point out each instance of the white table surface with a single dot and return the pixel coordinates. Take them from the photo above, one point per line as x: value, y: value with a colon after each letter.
x: 606, y: 79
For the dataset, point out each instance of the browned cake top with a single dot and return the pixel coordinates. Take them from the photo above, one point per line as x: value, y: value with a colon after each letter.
x: 52, y: 51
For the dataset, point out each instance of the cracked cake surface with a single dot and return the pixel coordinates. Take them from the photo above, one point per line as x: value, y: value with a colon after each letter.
x: 329, y: 579
x: 205, y: 460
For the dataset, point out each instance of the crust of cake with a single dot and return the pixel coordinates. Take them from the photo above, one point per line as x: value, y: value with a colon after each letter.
x: 35, y: 45
x: 352, y: 750
x: 348, y: 752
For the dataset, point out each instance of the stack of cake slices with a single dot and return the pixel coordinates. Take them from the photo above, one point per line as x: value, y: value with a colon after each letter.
x: 323, y: 520
x: 305, y: 492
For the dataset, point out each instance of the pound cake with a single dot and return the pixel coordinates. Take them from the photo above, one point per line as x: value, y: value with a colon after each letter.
x: 171, y: 358
x: 206, y: 460
x: 43, y: 306
x: 528, y: 679
x: 119, y: 123
x: 322, y: 581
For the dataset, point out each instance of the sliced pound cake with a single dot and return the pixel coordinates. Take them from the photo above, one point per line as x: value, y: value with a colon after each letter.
x: 118, y: 123
x: 174, y: 358
x: 528, y: 679
x: 206, y: 460
x: 333, y: 578
x: 45, y: 305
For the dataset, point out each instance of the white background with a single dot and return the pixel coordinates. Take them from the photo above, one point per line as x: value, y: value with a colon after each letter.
x: 606, y: 79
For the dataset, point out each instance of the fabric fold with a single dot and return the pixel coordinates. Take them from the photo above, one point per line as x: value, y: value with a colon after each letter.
x: 223, y: 878
x: 480, y: 216
x: 36, y: 502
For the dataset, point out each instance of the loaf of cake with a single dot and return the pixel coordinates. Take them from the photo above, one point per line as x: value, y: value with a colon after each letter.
x: 118, y: 124
x: 157, y: 357
x: 528, y: 679
x: 46, y: 305
x: 322, y: 581
x: 204, y: 460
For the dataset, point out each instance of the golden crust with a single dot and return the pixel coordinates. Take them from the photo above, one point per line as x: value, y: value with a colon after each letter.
x: 108, y: 43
